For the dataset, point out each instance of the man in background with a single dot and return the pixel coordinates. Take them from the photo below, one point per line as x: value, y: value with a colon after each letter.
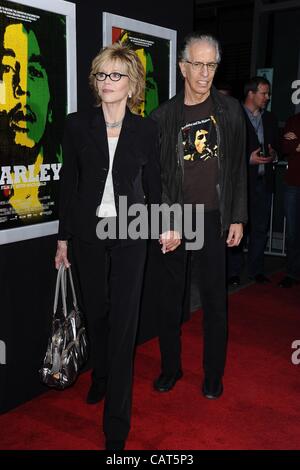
x: 261, y: 154
x: 291, y: 149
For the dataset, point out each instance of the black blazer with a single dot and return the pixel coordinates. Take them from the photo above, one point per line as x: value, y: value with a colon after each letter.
x: 271, y: 136
x: 136, y: 170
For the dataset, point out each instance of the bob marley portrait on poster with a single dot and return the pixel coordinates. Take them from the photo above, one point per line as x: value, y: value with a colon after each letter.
x: 33, y: 106
x: 156, y: 48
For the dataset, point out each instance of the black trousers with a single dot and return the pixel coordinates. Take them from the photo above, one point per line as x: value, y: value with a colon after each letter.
x: 260, y: 202
x: 111, y: 274
x: 209, y: 267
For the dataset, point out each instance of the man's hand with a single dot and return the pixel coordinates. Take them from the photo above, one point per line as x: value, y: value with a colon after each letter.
x: 169, y: 241
x: 61, y: 254
x: 273, y: 153
x: 235, y: 235
x: 257, y: 159
x: 290, y: 136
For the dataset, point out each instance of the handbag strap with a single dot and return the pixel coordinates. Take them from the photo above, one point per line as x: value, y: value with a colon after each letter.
x: 64, y: 299
x: 57, y: 287
x: 72, y: 287
x: 61, y: 286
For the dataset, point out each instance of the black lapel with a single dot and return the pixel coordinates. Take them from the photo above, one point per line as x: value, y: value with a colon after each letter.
x: 252, y: 136
x: 98, y: 133
x: 126, y: 137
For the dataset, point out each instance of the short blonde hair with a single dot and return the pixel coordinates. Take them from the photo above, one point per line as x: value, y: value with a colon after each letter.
x: 133, y: 68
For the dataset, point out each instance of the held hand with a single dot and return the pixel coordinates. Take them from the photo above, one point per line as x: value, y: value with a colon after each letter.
x: 290, y: 136
x: 257, y: 159
x: 169, y: 241
x: 298, y: 148
x: 61, y: 254
x: 235, y: 235
x: 272, y: 153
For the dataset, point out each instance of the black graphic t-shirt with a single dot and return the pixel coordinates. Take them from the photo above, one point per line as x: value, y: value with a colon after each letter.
x: 199, y: 137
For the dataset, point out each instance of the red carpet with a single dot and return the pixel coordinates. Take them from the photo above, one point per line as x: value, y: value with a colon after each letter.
x: 260, y: 408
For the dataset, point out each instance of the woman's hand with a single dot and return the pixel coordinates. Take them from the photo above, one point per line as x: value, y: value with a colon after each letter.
x: 61, y: 254
x: 169, y: 241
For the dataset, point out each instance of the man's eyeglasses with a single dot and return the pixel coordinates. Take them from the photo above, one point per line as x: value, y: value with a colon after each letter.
x: 114, y: 76
x: 198, y: 66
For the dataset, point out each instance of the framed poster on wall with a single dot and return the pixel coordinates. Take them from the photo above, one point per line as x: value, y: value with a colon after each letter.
x: 37, y: 89
x: 156, y: 47
x: 267, y: 73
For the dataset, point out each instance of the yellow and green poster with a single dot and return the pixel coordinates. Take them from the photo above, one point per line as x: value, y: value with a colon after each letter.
x: 152, y: 51
x: 33, y: 106
x: 155, y: 46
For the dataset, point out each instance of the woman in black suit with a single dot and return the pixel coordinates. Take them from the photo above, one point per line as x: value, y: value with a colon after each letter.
x: 108, y: 153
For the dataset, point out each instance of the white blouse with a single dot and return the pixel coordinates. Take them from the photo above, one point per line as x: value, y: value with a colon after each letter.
x: 107, y: 207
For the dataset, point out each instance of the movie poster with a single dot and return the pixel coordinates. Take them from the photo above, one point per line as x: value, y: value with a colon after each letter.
x: 33, y: 106
x: 152, y: 51
x: 156, y: 47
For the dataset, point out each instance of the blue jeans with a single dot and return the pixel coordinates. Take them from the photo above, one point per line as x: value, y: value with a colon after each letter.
x: 292, y: 213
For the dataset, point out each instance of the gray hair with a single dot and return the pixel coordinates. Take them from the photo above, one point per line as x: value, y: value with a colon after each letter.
x: 197, y: 37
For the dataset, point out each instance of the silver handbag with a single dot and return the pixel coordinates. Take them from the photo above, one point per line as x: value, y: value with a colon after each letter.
x: 67, y: 349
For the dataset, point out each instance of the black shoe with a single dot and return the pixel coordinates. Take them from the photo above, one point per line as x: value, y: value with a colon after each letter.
x: 212, y: 387
x: 288, y: 282
x: 96, y: 393
x: 261, y: 279
x: 234, y: 281
x: 114, y: 445
x: 165, y: 383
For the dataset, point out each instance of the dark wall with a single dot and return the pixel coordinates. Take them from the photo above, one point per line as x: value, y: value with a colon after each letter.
x: 27, y: 274
x: 232, y: 22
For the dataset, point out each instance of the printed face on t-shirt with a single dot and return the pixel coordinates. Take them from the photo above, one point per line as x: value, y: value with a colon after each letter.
x: 199, y: 140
